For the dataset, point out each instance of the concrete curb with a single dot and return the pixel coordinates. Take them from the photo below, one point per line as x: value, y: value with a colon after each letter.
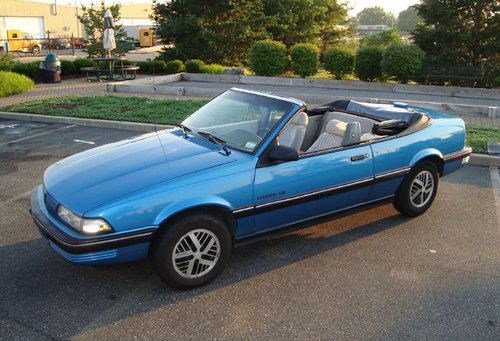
x: 484, y: 160
x: 475, y: 159
x: 451, y: 91
x: 134, y: 126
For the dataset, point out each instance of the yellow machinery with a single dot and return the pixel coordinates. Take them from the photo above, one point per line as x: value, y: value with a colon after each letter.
x: 146, y: 37
x: 21, y: 42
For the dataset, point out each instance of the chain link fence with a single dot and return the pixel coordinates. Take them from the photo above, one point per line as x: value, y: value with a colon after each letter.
x: 34, y: 47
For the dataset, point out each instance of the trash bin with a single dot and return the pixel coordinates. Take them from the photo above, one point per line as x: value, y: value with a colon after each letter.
x: 50, y: 69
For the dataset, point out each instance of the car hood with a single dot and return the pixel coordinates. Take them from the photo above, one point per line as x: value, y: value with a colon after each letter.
x: 89, y: 179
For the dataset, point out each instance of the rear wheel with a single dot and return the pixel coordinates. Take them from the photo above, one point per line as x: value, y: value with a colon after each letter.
x: 192, y: 252
x: 418, y: 190
x: 35, y: 50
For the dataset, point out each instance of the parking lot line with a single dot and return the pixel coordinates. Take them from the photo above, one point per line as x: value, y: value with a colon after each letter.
x: 495, y: 181
x: 36, y: 135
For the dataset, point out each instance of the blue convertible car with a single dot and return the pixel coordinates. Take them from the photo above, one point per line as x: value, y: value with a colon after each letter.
x: 243, y: 165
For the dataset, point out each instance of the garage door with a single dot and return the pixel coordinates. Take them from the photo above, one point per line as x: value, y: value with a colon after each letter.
x: 31, y: 25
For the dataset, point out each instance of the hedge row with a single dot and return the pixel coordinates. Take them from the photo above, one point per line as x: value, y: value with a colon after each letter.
x: 12, y: 83
x: 398, y: 61
x: 72, y: 67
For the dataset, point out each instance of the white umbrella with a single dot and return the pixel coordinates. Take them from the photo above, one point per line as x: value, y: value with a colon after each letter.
x: 108, y: 39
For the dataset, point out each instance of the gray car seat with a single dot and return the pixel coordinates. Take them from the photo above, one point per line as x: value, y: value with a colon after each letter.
x: 337, y: 133
x: 294, y: 133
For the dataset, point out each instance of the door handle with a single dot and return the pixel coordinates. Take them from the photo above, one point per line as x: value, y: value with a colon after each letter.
x: 359, y: 157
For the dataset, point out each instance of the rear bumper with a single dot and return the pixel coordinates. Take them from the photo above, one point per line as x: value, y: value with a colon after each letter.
x: 455, y: 161
x: 114, y: 248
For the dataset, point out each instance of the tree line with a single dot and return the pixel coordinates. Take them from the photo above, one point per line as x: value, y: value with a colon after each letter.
x: 222, y: 31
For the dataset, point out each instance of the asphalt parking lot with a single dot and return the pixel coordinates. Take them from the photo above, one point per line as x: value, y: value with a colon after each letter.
x: 370, y: 275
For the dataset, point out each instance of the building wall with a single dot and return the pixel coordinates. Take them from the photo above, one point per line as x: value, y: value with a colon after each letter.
x: 64, y: 22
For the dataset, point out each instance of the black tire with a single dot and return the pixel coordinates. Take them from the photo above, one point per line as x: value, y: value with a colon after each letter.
x: 403, y: 201
x: 162, y: 253
x: 35, y: 50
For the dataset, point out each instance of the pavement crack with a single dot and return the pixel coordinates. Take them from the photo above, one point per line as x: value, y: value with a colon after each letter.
x: 30, y: 327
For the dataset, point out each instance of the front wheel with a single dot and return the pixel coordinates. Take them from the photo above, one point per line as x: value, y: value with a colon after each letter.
x: 418, y: 190
x: 35, y: 50
x: 192, y: 252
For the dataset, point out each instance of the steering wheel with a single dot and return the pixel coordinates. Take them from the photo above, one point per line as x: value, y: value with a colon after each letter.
x: 265, y: 131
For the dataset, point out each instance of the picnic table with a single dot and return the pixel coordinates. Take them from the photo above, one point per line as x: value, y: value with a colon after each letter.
x: 109, y: 69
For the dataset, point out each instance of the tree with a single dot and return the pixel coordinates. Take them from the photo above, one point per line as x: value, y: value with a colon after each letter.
x: 381, y: 39
x: 306, y: 21
x: 408, y: 19
x: 376, y: 16
x: 211, y: 30
x: 92, y: 19
x: 459, y: 31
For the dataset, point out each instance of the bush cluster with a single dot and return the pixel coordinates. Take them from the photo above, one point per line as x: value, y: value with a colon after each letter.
x: 268, y: 58
x: 215, y: 69
x: 338, y: 62
x: 402, y: 62
x: 12, y: 83
x: 368, y: 63
x: 30, y: 70
x: 68, y: 67
x: 175, y: 66
x: 304, y: 59
x: 194, y: 66
x: 83, y: 62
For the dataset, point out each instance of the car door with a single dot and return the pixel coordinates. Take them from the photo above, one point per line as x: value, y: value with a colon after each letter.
x: 313, y: 186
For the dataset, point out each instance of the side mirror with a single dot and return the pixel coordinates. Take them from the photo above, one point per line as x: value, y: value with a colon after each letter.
x: 283, y: 153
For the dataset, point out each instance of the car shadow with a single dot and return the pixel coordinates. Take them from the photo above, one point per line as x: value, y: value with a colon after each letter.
x: 60, y: 299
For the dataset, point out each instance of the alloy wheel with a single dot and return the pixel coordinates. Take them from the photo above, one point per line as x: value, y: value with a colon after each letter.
x: 421, y: 188
x: 196, y: 253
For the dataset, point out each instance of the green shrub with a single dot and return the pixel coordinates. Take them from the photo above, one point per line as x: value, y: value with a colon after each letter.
x: 12, y: 83
x: 67, y: 67
x: 268, y: 58
x: 157, y: 66
x: 368, y: 65
x: 381, y: 39
x: 215, y: 69
x: 175, y: 66
x: 304, y: 59
x: 31, y: 69
x: 338, y: 62
x: 402, y: 62
x: 194, y: 66
x: 6, y: 62
x: 82, y: 62
x: 143, y: 66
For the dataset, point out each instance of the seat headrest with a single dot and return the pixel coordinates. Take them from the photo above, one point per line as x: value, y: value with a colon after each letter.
x: 301, y: 119
x: 336, y: 127
x: 352, y: 133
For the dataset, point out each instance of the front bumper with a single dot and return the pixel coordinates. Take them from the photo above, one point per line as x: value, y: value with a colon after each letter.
x: 110, y: 248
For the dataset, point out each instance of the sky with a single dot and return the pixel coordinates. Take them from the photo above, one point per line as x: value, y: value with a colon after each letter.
x: 357, y: 5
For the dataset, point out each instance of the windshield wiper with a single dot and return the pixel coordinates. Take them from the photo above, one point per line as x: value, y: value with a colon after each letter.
x: 185, y: 130
x: 217, y: 140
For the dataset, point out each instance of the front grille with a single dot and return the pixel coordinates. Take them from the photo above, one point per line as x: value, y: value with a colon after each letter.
x: 51, y: 204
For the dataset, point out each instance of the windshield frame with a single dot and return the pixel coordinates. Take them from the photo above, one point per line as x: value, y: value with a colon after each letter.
x: 296, y: 106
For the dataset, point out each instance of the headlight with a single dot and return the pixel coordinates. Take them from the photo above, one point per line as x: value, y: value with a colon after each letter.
x: 87, y: 226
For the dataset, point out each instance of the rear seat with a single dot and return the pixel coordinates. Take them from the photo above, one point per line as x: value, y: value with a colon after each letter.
x: 337, y: 134
x: 366, y: 123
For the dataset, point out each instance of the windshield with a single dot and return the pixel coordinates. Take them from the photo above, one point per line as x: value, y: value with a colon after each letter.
x: 238, y: 119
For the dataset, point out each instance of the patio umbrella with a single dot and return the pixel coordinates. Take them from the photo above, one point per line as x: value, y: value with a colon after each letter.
x: 108, y: 39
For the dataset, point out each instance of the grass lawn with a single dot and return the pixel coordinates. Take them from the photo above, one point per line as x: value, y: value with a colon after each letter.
x: 134, y: 109
x: 478, y: 137
x: 142, y: 109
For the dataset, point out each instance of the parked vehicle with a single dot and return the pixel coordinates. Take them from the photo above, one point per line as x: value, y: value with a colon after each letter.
x: 80, y: 43
x: 244, y: 165
x: 57, y: 44
x: 22, y: 42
